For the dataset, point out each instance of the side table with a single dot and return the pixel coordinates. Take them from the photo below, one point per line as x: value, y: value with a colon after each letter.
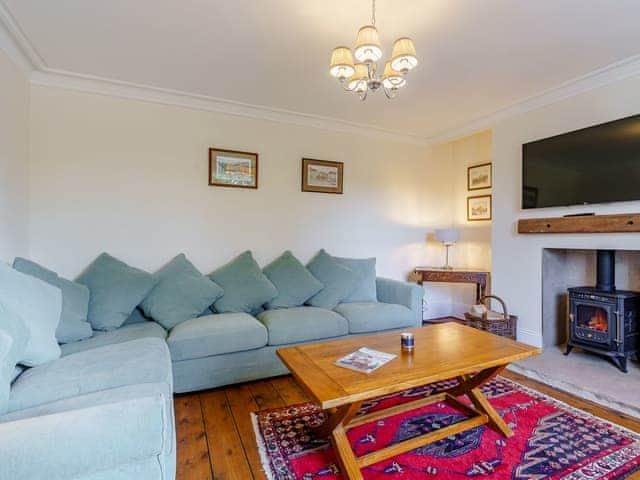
x: 455, y: 275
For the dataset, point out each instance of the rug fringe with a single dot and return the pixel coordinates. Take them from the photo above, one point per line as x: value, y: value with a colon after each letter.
x: 262, y: 449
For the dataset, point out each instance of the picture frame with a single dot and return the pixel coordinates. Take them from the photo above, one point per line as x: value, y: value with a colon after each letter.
x: 479, y: 177
x: 233, y: 168
x: 322, y: 176
x: 479, y: 208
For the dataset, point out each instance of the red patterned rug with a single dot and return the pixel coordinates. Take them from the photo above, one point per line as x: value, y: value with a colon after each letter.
x: 552, y: 441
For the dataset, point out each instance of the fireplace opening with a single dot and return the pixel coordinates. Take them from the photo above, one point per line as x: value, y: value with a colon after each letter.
x: 594, y: 318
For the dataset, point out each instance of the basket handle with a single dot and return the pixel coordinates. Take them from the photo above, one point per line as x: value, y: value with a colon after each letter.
x: 504, y: 306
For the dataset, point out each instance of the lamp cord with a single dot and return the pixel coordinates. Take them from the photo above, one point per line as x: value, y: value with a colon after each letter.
x: 373, y: 12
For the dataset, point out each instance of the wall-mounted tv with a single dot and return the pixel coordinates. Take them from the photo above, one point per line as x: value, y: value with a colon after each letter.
x: 598, y: 164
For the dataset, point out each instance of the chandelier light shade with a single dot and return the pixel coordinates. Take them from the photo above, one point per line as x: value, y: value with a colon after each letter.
x: 368, y: 47
x: 341, y: 66
x: 392, y: 78
x: 358, y: 81
x: 363, y: 77
x: 403, y: 55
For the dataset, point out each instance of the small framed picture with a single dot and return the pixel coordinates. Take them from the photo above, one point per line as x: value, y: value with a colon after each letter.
x: 479, y: 208
x: 321, y: 176
x: 479, y: 177
x: 231, y: 168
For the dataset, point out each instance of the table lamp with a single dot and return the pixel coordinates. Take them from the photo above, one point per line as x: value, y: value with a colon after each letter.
x: 449, y: 237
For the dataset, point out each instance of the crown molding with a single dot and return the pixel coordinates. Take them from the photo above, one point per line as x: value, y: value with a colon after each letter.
x: 15, y: 43
x: 91, y: 84
x: 613, y: 72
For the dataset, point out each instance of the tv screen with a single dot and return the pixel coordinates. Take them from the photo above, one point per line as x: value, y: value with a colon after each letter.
x: 598, y: 164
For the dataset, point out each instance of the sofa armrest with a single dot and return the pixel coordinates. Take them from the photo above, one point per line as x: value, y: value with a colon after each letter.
x: 73, y: 443
x: 402, y: 293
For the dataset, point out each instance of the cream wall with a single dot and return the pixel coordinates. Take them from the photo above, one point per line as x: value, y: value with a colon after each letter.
x: 130, y: 178
x: 517, y: 259
x: 474, y: 248
x: 14, y: 151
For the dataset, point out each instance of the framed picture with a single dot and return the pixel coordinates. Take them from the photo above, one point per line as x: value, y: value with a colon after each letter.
x: 479, y: 177
x: 231, y: 168
x: 479, y: 208
x: 321, y: 176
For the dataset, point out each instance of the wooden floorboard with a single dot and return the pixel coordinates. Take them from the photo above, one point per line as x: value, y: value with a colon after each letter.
x: 216, y: 438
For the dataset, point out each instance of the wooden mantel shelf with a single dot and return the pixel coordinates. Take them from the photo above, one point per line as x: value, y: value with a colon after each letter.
x: 621, y: 223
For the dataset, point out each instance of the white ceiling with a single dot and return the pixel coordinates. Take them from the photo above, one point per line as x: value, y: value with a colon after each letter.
x: 475, y: 56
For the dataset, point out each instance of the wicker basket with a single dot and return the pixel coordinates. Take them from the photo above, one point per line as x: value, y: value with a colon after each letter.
x: 505, y: 326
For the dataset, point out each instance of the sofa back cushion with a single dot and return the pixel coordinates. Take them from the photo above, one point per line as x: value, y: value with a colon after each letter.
x: 181, y: 293
x: 294, y: 282
x: 13, y: 342
x: 73, y: 324
x: 338, y: 280
x: 365, y: 268
x: 116, y: 289
x: 39, y: 305
x: 246, y: 288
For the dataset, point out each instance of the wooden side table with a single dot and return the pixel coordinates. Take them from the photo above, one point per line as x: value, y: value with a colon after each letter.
x: 455, y: 275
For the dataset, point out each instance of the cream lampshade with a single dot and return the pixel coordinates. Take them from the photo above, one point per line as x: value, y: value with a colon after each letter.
x: 392, y: 79
x: 403, y: 55
x: 358, y: 81
x: 368, y: 47
x: 449, y: 237
x: 341, y: 65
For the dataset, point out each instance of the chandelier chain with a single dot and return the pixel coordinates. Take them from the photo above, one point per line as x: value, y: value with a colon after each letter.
x: 373, y: 12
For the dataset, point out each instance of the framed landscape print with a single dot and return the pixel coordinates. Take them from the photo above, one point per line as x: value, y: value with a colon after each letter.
x: 479, y: 208
x: 231, y: 168
x: 479, y: 177
x: 321, y: 176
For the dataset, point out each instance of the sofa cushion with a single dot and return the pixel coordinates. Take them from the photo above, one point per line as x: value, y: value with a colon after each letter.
x: 302, y: 324
x: 215, y: 335
x: 73, y: 324
x: 294, y: 282
x: 372, y: 316
x: 125, y: 333
x: 138, y: 361
x: 39, y: 305
x: 13, y: 342
x: 246, y: 288
x: 365, y: 268
x: 116, y: 289
x: 338, y: 280
x: 181, y: 293
x: 137, y: 316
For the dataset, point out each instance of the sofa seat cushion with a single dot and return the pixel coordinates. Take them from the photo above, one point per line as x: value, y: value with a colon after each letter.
x: 215, y: 335
x: 373, y: 316
x: 129, y: 332
x: 138, y: 361
x: 302, y: 324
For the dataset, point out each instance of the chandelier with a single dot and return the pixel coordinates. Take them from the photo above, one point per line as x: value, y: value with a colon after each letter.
x: 362, y: 77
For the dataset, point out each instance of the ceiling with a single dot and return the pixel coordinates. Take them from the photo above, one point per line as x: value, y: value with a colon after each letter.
x: 476, y: 57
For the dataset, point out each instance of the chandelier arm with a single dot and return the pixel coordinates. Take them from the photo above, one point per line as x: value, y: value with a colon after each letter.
x: 390, y: 94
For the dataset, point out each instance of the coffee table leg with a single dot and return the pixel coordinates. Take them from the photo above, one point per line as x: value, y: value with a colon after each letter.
x: 344, y: 454
x: 472, y: 391
x: 337, y: 416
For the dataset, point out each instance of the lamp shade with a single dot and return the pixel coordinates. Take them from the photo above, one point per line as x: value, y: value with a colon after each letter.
x: 447, y: 235
x: 358, y: 81
x: 392, y: 79
x: 403, y: 55
x: 341, y: 65
x: 368, y: 47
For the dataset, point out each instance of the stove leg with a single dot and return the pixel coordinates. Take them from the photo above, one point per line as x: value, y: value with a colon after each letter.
x: 568, y: 350
x: 621, y: 363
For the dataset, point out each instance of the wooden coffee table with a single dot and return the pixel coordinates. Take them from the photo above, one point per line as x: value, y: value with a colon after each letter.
x: 442, y: 351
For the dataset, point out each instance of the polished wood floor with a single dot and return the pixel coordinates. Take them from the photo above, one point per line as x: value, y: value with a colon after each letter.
x: 215, y: 434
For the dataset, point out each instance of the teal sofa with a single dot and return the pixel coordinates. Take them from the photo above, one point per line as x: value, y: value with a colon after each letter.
x: 104, y: 409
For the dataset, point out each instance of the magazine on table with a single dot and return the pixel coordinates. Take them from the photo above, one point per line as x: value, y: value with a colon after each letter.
x: 365, y: 360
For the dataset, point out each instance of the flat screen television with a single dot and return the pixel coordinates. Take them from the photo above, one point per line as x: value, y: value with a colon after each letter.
x: 598, y: 164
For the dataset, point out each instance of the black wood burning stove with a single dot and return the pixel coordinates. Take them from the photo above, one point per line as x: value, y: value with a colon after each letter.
x: 604, y: 320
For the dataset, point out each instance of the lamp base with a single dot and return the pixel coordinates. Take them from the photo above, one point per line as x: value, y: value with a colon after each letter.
x: 446, y: 263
